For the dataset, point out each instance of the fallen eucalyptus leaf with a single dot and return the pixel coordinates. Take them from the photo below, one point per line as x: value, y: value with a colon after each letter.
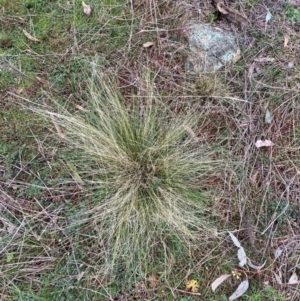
x: 30, y: 37
x: 222, y: 8
x: 235, y: 240
x: 148, y: 44
x: 242, y: 288
x: 86, y: 9
x: 278, y: 278
x: 261, y: 143
x: 219, y: 281
x: 242, y: 256
x: 253, y: 266
x: 268, y: 118
x: 293, y: 279
x: 286, y: 40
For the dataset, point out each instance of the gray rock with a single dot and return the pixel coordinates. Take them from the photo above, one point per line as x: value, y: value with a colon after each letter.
x: 211, y: 48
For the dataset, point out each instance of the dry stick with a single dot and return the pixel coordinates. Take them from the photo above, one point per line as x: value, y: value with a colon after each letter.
x: 132, y: 16
x: 187, y: 292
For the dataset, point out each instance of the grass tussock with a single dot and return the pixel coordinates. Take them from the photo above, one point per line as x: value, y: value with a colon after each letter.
x: 142, y: 168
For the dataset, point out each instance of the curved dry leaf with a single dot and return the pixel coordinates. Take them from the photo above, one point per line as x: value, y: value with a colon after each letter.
x: 219, y: 281
x: 148, y: 44
x: 222, y: 8
x: 242, y: 256
x: 293, y: 279
x: 30, y: 37
x: 236, y: 56
x: 278, y: 278
x: 235, y: 240
x: 86, y: 9
x: 261, y: 143
x: 254, y: 266
x: 286, y: 40
x: 242, y: 288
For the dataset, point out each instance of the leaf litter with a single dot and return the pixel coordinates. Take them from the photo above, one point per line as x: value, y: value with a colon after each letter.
x: 86, y: 9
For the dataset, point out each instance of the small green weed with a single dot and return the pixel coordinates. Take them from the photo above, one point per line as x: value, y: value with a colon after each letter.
x: 267, y: 293
x: 292, y: 13
x: 213, y: 16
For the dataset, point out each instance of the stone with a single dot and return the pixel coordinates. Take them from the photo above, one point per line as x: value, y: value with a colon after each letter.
x: 211, y: 48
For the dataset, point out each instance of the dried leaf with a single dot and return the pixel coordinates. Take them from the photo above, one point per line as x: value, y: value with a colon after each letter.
x: 86, y: 9
x: 293, y: 279
x: 261, y: 143
x: 79, y: 276
x: 30, y: 51
x: 253, y: 266
x: 10, y: 228
x: 30, y: 37
x: 251, y: 70
x: 222, y: 8
x: 268, y: 17
x: 231, y: 14
x: 192, y: 285
x: 278, y: 278
x: 242, y: 256
x: 253, y: 178
x: 277, y: 253
x: 219, y: 281
x: 264, y: 59
x: 242, y: 288
x: 235, y: 240
x: 268, y: 118
x: 286, y: 40
x: 41, y: 80
x: 5, y: 43
x: 148, y: 44
x: 236, y: 56
x: 80, y: 108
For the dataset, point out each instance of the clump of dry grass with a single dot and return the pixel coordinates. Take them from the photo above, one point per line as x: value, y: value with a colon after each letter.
x: 142, y: 167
